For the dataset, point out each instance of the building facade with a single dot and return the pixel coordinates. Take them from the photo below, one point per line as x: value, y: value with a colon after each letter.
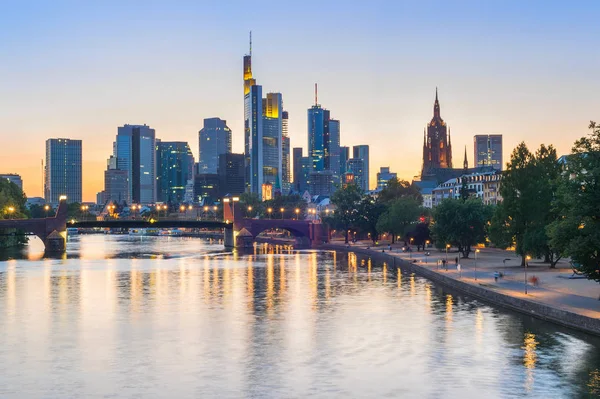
x: 384, y: 176
x: 484, y: 185
x: 362, y: 152
x: 175, y: 166
x: 488, y: 150
x: 321, y: 183
x: 63, y: 170
x: 214, y: 139
x: 355, y: 171
x: 286, y: 161
x: 13, y: 178
x: 272, y: 138
x: 323, y: 141
x: 437, y: 146
x: 206, y: 188
x: 344, y: 157
x: 297, y: 152
x: 231, y: 174
x: 135, y: 151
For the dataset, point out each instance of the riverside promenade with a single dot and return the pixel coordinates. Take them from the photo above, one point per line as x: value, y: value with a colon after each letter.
x: 558, y: 296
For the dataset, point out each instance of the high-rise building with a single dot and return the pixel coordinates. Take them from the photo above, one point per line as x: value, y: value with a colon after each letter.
x: 297, y: 167
x: 384, y: 176
x: 362, y: 152
x: 63, y: 170
x: 321, y: 183
x: 334, y: 150
x: 263, y: 130
x: 135, y: 151
x: 175, y: 166
x: 272, y: 150
x: 356, y: 168
x: 231, y: 174
x: 488, y: 150
x: 206, y: 188
x: 115, y: 183
x: 286, y: 171
x: 13, y: 178
x: 306, y: 168
x: 344, y: 157
x: 437, y: 146
x: 214, y: 139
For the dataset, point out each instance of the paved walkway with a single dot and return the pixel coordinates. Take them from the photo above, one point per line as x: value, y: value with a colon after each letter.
x: 555, y: 287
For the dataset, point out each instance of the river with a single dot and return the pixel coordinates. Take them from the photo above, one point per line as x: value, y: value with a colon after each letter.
x: 176, y: 317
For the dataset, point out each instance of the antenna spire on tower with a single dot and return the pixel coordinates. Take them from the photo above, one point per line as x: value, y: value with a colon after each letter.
x: 250, y: 43
x: 316, y: 95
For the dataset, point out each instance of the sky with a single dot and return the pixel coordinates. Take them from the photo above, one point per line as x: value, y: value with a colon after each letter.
x: 73, y: 69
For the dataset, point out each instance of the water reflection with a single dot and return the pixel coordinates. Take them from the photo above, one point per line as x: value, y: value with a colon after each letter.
x: 194, y: 321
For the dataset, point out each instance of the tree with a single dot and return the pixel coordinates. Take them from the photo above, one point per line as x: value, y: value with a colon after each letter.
x: 401, y: 213
x: 347, y: 201
x: 576, y: 231
x: 398, y: 189
x: 369, y: 211
x: 528, y: 190
x: 12, y: 205
x: 421, y: 234
x: 460, y: 223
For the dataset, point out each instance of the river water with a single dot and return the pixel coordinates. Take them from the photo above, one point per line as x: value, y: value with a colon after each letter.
x: 160, y: 317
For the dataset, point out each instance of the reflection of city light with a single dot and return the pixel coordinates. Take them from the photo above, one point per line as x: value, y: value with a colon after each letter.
x: 529, y: 358
x: 449, y: 310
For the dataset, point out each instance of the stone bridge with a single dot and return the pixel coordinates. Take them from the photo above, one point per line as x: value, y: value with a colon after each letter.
x: 52, y: 231
x: 306, y: 233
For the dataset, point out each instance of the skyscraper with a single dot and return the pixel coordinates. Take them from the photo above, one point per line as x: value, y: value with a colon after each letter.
x: 323, y: 140
x: 115, y: 183
x: 63, y: 170
x: 488, y: 150
x: 175, y: 166
x: 286, y: 171
x: 263, y: 130
x: 272, y: 134
x: 135, y: 150
x: 384, y: 176
x: 437, y: 146
x: 356, y: 168
x: 214, y: 139
x: 344, y: 157
x: 362, y: 152
x: 231, y: 174
x: 297, y: 167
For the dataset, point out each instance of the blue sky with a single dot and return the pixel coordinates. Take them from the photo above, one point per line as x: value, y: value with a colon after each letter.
x: 527, y: 70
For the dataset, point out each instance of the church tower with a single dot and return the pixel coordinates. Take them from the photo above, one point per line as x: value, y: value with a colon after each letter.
x: 437, y: 147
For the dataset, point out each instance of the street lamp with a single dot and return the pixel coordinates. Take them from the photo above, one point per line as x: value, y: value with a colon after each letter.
x: 476, y: 252
x: 527, y: 259
x: 447, y: 246
x: 281, y: 210
x: 46, y: 208
x: 297, y: 213
x: 11, y: 210
x: 269, y: 210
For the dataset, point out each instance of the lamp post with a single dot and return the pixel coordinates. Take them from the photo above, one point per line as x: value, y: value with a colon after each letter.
x: 297, y: 213
x: 476, y: 252
x: 281, y: 210
x: 249, y: 211
x: 215, y: 208
x: 269, y: 210
x: 46, y: 208
x: 11, y: 210
x: 447, y: 246
x: 426, y: 243
x: 527, y: 258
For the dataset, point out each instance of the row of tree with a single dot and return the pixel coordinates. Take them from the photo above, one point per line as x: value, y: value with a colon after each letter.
x: 12, y: 205
x: 396, y: 210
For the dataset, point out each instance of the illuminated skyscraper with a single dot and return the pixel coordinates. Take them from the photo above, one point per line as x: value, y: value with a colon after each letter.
x: 135, y: 150
x: 286, y: 171
x: 175, y: 166
x: 362, y: 152
x: 214, y: 139
x: 263, y: 133
x: 323, y: 140
x: 63, y: 170
x: 488, y: 150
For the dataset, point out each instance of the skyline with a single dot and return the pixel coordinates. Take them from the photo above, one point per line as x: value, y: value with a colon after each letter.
x: 80, y: 71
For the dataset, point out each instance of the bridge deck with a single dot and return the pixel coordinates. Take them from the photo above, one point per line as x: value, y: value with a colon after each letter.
x: 129, y: 224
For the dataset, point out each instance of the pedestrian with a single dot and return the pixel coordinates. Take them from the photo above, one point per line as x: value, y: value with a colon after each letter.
x: 456, y: 261
x: 496, y: 275
x: 444, y: 264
